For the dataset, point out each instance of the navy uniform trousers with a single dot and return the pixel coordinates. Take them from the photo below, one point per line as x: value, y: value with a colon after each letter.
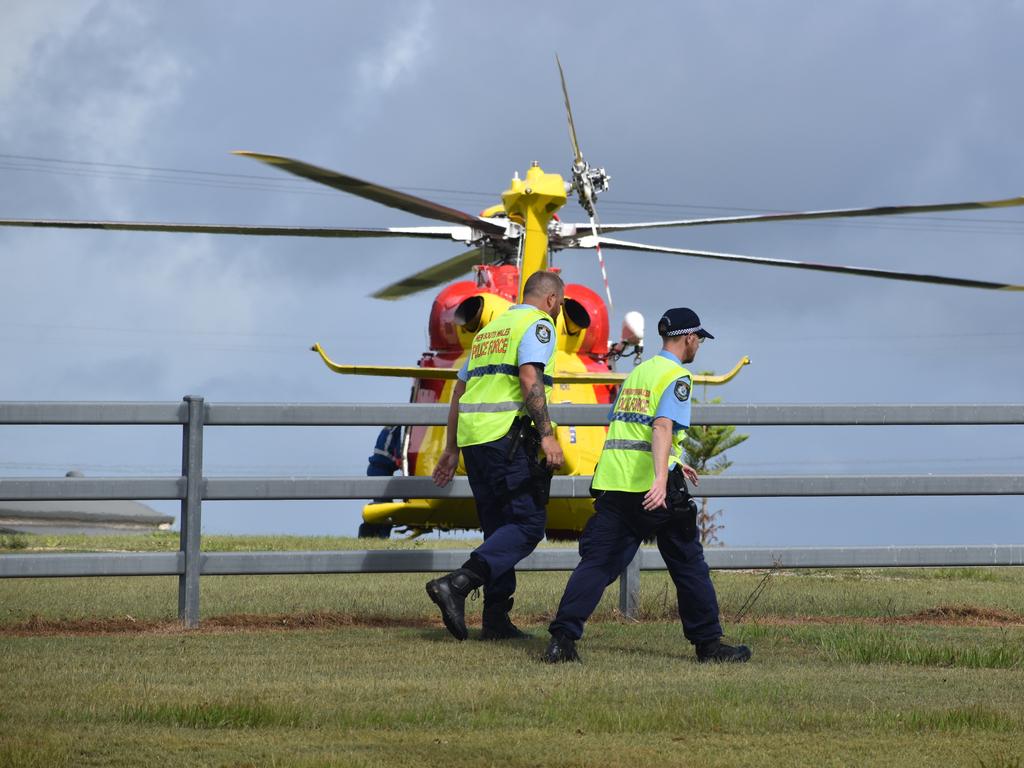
x: 513, y: 523
x: 609, y: 542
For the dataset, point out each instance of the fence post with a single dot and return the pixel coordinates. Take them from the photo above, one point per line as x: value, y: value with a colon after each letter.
x: 191, y: 512
x: 629, y: 588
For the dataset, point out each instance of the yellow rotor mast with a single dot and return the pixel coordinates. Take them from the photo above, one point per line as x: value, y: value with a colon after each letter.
x: 531, y: 202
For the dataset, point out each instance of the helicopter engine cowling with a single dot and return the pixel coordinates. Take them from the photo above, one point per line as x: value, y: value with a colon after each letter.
x: 441, y: 328
x: 583, y: 322
x: 462, y: 308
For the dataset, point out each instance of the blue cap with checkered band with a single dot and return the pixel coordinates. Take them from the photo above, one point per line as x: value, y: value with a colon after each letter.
x: 680, y: 321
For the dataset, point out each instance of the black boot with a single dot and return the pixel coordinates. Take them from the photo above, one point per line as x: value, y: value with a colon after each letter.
x: 715, y: 652
x: 449, y: 592
x: 497, y: 625
x: 562, y: 648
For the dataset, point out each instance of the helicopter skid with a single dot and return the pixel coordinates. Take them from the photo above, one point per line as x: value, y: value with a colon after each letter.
x: 566, y: 517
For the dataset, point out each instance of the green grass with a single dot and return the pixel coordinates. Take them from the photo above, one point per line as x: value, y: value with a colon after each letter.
x: 961, y: 719
x: 363, y: 696
x: 875, y: 667
x: 887, y: 646
x: 213, y: 715
x: 964, y: 574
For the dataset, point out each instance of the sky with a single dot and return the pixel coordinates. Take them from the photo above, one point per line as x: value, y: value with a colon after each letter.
x: 694, y: 108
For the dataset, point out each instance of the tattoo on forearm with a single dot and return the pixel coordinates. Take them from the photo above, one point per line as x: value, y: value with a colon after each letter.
x: 537, y: 407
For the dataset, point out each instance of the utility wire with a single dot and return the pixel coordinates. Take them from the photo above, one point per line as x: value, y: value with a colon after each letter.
x: 258, y: 182
x: 134, y: 329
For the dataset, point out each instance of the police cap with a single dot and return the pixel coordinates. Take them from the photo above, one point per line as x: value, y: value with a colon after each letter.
x: 680, y: 321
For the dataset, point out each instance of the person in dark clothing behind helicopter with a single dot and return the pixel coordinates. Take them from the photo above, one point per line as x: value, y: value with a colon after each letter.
x: 385, y: 461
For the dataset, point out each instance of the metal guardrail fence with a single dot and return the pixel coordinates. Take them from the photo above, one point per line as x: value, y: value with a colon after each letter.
x: 191, y: 488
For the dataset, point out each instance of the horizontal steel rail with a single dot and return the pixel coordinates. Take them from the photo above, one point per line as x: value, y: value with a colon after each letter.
x: 858, y: 414
x: 444, y: 560
x: 87, y: 488
x: 243, y: 488
x: 92, y: 564
x: 93, y: 413
x: 419, y: 414
x: 578, y: 487
x: 853, y: 557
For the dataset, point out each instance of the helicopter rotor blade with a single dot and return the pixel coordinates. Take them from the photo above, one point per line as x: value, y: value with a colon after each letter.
x: 588, y: 242
x: 594, y: 225
x: 377, y: 193
x: 577, y: 155
x: 840, y: 213
x: 584, y: 181
x: 440, y: 233
x: 432, y: 276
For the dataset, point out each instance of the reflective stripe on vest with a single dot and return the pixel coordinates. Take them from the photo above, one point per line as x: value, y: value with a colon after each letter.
x: 633, y: 418
x: 508, y: 370
x: 489, y: 407
x: 627, y: 463
x: 493, y: 394
x: 627, y: 445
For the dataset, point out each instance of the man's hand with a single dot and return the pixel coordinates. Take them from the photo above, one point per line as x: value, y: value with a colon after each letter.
x: 552, y: 451
x: 691, y: 474
x: 655, y: 498
x: 445, y: 469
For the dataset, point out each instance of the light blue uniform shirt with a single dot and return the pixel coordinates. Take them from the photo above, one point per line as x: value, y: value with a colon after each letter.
x: 531, y: 347
x: 670, y: 406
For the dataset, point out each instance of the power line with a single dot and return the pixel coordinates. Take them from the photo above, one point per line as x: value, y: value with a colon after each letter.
x: 276, y: 180
x: 258, y: 182
x: 298, y: 349
x: 136, y: 329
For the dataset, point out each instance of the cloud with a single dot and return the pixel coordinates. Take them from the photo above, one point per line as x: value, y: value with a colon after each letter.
x: 398, y: 56
x: 31, y: 32
x: 91, y: 85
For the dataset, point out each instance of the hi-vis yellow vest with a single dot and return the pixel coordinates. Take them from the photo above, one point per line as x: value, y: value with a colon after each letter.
x: 493, y: 397
x: 627, y: 463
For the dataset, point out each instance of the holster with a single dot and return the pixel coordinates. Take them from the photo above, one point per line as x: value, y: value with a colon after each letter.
x: 524, y: 433
x: 680, y: 504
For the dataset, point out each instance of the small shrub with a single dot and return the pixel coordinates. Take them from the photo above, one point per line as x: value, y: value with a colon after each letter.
x: 13, y: 541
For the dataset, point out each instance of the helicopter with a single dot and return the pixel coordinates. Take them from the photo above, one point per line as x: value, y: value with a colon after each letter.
x: 506, y: 244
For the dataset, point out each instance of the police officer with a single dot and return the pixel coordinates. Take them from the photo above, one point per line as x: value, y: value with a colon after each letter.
x: 638, y: 497
x: 507, y: 374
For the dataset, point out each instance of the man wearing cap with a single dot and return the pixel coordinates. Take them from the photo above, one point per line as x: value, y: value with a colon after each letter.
x: 506, y: 379
x: 637, y: 496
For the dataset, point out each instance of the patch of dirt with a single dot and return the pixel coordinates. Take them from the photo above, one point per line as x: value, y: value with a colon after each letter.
x: 943, y: 615
x: 238, y: 622
x: 946, y: 615
x: 967, y: 614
